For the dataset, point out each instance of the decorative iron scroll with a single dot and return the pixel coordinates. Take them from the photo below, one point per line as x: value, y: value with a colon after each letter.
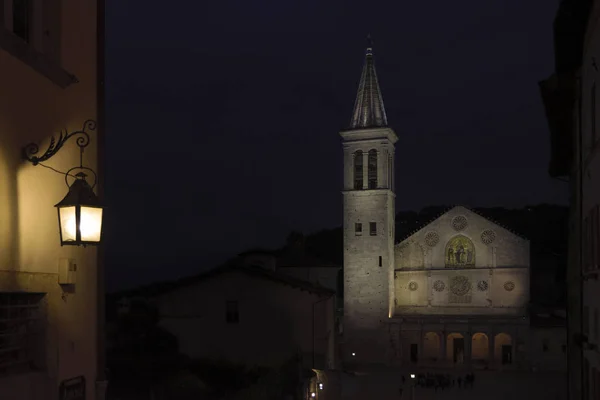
x: 56, y: 144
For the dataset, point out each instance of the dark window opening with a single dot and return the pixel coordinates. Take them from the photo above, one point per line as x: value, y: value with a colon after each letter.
x: 564, y: 348
x: 373, y: 228
x: 391, y: 168
x: 21, y: 341
x: 596, y: 238
x: 372, y: 169
x: 545, y: 345
x: 586, y: 243
x: 358, y: 170
x: 414, y: 353
x: 596, y: 324
x: 506, y: 354
x: 380, y: 261
x: 593, y: 238
x: 22, y: 18
x: 233, y: 314
x: 586, y: 320
x: 358, y: 229
x: 593, y: 113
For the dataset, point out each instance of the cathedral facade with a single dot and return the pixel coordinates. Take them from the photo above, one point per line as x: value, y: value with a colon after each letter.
x: 454, y: 292
x: 461, y: 291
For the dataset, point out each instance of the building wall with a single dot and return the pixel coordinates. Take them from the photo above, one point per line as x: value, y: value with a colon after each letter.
x: 427, y: 247
x: 493, y: 280
x: 34, y: 106
x: 590, y: 218
x: 275, y: 321
x: 416, y: 292
x: 368, y: 259
x: 547, y: 348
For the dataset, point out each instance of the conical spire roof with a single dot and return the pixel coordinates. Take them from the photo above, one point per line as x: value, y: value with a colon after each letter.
x: 369, y: 111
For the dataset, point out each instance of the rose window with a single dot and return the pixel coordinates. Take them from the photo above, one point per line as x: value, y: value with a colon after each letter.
x: 431, y: 239
x: 460, y: 285
x: 488, y: 236
x: 439, y: 286
x: 412, y: 286
x: 459, y: 222
x: 509, y: 286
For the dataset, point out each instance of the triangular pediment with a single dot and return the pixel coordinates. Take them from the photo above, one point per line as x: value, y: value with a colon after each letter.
x: 461, y: 237
x: 459, y: 219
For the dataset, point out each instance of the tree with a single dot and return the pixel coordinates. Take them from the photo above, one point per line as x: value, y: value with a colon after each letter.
x: 141, y: 354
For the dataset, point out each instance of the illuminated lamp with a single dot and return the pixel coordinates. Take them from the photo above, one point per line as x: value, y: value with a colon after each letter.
x: 79, y: 212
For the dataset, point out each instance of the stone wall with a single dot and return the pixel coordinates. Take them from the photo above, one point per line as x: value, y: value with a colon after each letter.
x: 368, y: 258
x: 461, y: 263
x: 470, y: 291
x: 493, y: 245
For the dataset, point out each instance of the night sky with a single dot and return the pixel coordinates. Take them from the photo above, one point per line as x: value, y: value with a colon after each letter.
x: 223, y: 117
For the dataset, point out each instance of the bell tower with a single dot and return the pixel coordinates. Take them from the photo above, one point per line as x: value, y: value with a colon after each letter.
x: 368, y: 197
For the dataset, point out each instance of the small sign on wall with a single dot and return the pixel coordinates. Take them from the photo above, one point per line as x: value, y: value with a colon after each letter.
x: 72, y: 389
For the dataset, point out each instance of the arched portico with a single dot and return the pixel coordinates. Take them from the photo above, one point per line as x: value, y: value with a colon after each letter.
x: 455, y: 348
x: 431, y: 346
x: 503, y: 349
x: 480, y: 348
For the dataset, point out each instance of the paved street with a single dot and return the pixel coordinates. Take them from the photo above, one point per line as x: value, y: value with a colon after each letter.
x: 385, y: 385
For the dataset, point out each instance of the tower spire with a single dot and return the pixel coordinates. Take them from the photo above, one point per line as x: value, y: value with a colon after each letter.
x: 369, y: 111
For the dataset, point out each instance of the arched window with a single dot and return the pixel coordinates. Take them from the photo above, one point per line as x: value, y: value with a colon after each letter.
x: 358, y: 170
x: 391, y: 184
x: 372, y: 170
x: 460, y: 252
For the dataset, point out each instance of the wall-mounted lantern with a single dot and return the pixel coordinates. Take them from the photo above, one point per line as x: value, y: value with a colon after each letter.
x: 80, y: 212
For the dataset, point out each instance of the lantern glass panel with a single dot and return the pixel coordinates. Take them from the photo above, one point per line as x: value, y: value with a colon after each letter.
x: 68, y: 223
x: 91, y: 224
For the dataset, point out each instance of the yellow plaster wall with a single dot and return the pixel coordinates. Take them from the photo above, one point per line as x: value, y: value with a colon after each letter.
x: 32, y: 108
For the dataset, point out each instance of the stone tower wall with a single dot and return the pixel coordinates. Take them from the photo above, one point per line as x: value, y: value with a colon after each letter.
x: 368, y: 258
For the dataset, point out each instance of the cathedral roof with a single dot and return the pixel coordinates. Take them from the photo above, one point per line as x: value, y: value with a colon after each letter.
x: 369, y: 111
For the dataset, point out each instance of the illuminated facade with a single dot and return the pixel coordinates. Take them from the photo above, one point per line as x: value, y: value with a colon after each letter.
x: 461, y: 291
x: 454, y: 293
x: 51, y: 297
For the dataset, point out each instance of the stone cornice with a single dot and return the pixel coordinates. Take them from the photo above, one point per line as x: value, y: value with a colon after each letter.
x: 459, y: 268
x: 369, y: 192
x: 356, y: 135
